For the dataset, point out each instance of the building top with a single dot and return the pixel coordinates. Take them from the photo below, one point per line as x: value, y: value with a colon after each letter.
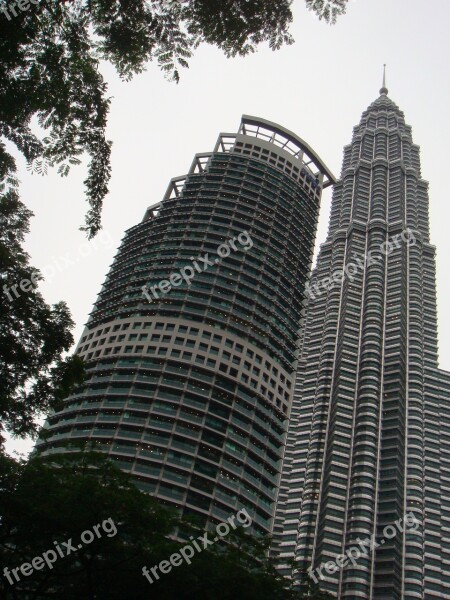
x: 267, y: 141
x: 286, y: 140
x: 277, y: 139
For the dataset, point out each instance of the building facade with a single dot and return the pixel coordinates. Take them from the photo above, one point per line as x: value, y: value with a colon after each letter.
x: 191, y: 347
x: 369, y: 435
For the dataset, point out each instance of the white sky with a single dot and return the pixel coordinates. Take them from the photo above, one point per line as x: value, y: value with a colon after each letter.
x: 318, y: 88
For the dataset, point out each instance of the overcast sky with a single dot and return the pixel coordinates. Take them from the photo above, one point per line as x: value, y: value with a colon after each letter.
x: 318, y: 88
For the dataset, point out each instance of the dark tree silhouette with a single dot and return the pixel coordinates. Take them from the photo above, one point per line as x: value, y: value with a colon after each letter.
x: 47, y: 502
x: 34, y: 376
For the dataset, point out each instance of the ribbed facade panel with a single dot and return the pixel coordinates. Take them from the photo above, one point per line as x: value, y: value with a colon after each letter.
x: 369, y: 432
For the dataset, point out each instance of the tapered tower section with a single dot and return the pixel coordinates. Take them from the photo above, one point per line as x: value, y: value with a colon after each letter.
x: 190, y: 391
x: 367, y: 438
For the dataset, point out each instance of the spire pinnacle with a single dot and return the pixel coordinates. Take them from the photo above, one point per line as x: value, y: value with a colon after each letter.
x: 384, y: 89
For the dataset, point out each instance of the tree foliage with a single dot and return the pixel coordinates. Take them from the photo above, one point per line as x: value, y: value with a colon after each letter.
x: 49, y: 68
x: 327, y: 10
x: 51, y: 500
x: 34, y: 377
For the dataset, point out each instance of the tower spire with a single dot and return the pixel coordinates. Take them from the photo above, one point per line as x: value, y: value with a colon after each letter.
x: 384, y: 89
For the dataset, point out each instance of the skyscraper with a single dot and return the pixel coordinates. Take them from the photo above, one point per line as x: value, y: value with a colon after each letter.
x: 191, y: 345
x: 369, y: 435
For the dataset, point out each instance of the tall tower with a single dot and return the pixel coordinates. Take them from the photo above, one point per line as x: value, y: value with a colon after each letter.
x: 368, y: 441
x: 191, y: 345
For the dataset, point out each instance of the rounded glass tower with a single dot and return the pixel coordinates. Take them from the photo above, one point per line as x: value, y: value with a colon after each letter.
x: 191, y: 345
